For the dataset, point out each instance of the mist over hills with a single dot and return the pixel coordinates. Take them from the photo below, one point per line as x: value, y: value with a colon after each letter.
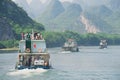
x: 114, y: 4
x: 78, y: 15
x: 53, y: 9
x: 59, y: 17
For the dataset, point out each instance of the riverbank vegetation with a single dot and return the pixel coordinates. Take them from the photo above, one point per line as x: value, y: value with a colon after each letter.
x: 57, y: 39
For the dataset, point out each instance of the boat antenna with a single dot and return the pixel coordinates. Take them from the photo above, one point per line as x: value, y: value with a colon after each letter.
x: 32, y: 34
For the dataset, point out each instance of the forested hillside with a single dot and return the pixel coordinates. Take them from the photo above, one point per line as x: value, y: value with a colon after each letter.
x: 17, y: 17
x: 59, y: 17
x: 14, y: 20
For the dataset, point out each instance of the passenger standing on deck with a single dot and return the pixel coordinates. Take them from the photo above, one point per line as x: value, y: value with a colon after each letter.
x: 28, y: 36
x: 35, y: 36
x: 29, y: 61
x: 41, y: 36
x: 23, y: 37
x: 38, y: 36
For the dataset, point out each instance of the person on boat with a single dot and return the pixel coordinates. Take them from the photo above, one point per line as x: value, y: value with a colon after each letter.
x: 32, y: 36
x: 40, y: 36
x: 28, y: 36
x: 29, y: 61
x: 23, y: 36
x: 36, y: 36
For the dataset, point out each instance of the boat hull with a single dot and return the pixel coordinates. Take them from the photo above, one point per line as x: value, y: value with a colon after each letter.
x: 31, y: 67
x: 33, y: 61
x: 72, y: 49
x: 103, y: 46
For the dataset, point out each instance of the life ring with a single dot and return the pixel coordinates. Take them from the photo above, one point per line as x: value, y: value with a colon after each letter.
x: 28, y: 50
x: 39, y: 50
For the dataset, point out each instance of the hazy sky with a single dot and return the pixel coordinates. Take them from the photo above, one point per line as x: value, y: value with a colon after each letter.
x: 88, y: 2
x: 43, y: 1
x: 66, y: 0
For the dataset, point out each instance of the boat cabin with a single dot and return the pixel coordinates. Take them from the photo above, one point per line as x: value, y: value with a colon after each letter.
x: 32, y: 46
x: 70, y: 45
x: 32, y: 43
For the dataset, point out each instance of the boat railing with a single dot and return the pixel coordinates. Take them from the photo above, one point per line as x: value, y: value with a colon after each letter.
x: 32, y: 36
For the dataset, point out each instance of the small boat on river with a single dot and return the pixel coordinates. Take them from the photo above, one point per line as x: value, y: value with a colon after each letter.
x: 70, y: 45
x: 103, y: 44
x: 32, y: 52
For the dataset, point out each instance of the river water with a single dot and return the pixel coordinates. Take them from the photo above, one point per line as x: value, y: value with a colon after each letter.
x: 91, y: 63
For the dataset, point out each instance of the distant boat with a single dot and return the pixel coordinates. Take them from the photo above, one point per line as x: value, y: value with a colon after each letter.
x: 70, y: 45
x: 32, y: 53
x: 103, y: 44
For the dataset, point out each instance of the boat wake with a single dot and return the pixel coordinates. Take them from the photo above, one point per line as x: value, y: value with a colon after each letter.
x: 66, y: 52
x: 26, y: 72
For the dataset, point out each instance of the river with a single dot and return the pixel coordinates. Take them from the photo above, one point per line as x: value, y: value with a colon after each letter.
x: 91, y: 63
